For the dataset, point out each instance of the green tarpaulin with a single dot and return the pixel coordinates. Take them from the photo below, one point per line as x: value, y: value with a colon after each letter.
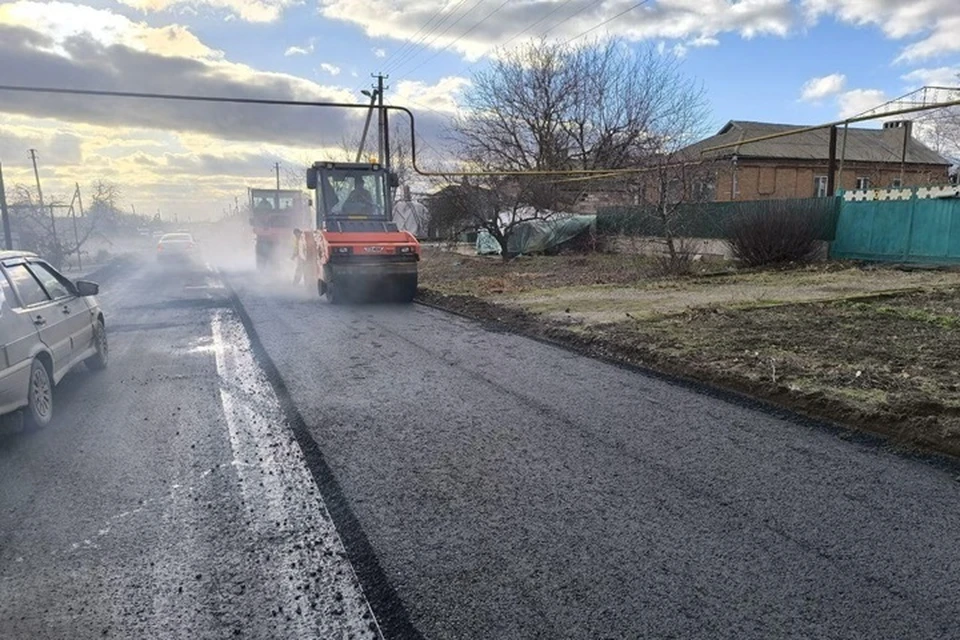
x: 537, y: 236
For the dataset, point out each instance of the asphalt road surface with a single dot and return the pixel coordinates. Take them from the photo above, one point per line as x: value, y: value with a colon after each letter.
x: 482, y: 485
x: 168, y: 499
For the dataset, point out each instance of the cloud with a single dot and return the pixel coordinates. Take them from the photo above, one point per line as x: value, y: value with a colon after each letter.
x: 332, y: 69
x: 819, y: 88
x: 442, y: 96
x: 248, y: 10
x: 164, y: 152
x: 59, y: 21
x: 64, y: 57
x: 932, y: 23
x: 63, y: 148
x: 301, y: 51
x: 939, y: 76
x: 380, y: 53
x: 856, y: 101
x: 297, y: 51
x: 698, y: 22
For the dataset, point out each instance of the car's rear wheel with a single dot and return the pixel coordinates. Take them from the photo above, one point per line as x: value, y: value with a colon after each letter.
x: 39, y: 411
x: 98, y: 361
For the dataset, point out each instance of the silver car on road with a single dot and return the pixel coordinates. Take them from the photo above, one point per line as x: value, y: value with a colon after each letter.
x: 48, y: 324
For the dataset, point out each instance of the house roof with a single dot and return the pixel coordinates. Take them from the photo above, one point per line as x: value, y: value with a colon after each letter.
x: 862, y: 145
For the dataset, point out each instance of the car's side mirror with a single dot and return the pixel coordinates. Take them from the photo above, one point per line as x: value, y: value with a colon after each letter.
x: 87, y: 288
x: 394, y: 180
x: 311, y: 178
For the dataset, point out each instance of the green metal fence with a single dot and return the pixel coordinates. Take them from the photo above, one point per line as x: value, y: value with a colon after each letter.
x: 712, y: 219
x: 902, y: 225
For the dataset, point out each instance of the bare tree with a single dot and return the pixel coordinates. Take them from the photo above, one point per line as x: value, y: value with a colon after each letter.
x: 549, y: 107
x: 35, y: 226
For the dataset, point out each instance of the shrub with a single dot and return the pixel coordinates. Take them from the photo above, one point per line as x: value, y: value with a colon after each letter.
x: 773, y: 235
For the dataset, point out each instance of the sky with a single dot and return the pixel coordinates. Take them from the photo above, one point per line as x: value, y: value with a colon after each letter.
x: 792, y: 61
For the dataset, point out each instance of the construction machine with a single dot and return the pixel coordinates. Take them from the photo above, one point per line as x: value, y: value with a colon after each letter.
x: 360, y: 252
x: 274, y: 214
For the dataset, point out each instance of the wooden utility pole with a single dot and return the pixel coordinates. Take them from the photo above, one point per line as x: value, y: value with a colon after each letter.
x: 366, y: 124
x: 73, y: 216
x: 7, y: 237
x: 53, y: 218
x: 384, y: 156
x: 832, y: 164
x: 80, y: 201
x: 276, y: 194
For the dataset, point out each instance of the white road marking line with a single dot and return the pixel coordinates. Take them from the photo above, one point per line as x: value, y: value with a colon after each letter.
x: 277, y: 487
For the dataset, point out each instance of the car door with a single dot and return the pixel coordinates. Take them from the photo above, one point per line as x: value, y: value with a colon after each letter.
x: 75, y: 311
x: 18, y: 341
x: 46, y: 316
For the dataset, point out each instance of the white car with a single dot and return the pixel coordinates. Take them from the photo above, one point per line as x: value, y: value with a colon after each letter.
x: 48, y: 324
x: 178, y: 248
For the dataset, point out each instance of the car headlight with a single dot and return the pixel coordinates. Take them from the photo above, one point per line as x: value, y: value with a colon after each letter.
x: 405, y: 250
x: 341, y: 250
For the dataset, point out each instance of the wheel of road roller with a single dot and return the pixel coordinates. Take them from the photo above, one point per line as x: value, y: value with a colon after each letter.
x: 335, y: 292
x: 262, y: 259
x: 406, y: 289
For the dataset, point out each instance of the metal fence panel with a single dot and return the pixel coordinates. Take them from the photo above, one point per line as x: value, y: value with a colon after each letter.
x: 905, y: 225
x: 712, y: 219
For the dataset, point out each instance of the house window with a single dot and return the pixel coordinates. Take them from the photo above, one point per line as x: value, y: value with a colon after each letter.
x: 704, y: 190
x: 820, y: 186
x: 863, y: 183
x: 896, y: 184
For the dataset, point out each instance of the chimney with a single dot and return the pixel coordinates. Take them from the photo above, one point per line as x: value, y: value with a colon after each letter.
x: 897, y: 133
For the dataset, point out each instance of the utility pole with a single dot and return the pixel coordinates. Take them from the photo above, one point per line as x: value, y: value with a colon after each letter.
x: 832, y: 164
x: 7, y: 238
x: 366, y: 124
x: 80, y: 200
x: 384, y: 155
x: 276, y: 204
x: 53, y: 219
x: 76, y: 234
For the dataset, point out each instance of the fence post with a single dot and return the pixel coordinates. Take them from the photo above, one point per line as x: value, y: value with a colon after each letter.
x: 913, y: 213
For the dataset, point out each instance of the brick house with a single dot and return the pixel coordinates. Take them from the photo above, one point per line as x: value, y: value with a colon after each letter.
x: 796, y: 166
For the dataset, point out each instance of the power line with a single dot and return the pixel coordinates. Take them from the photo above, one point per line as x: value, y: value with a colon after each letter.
x: 461, y: 36
x: 414, y: 51
x: 608, y: 20
x: 560, y: 5
x: 407, y: 44
x: 442, y: 33
x: 573, y: 15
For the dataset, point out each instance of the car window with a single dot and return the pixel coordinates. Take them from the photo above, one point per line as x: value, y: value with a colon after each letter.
x: 177, y: 237
x: 27, y: 286
x: 52, y: 281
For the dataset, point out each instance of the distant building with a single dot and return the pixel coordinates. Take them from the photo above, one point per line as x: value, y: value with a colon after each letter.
x: 796, y: 166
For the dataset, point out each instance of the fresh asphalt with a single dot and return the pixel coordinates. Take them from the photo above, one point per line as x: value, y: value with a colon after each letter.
x: 168, y: 498
x: 483, y: 485
x: 512, y: 489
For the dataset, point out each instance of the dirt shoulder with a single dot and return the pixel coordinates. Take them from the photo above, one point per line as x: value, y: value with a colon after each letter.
x: 876, y: 349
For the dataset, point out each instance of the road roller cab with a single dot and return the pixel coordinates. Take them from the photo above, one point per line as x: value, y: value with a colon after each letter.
x: 361, y: 254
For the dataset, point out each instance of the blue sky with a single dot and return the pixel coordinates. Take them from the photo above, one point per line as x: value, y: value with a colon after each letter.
x: 795, y: 61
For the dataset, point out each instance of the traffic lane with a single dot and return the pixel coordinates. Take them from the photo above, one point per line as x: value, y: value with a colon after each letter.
x: 514, y: 489
x: 160, y: 503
